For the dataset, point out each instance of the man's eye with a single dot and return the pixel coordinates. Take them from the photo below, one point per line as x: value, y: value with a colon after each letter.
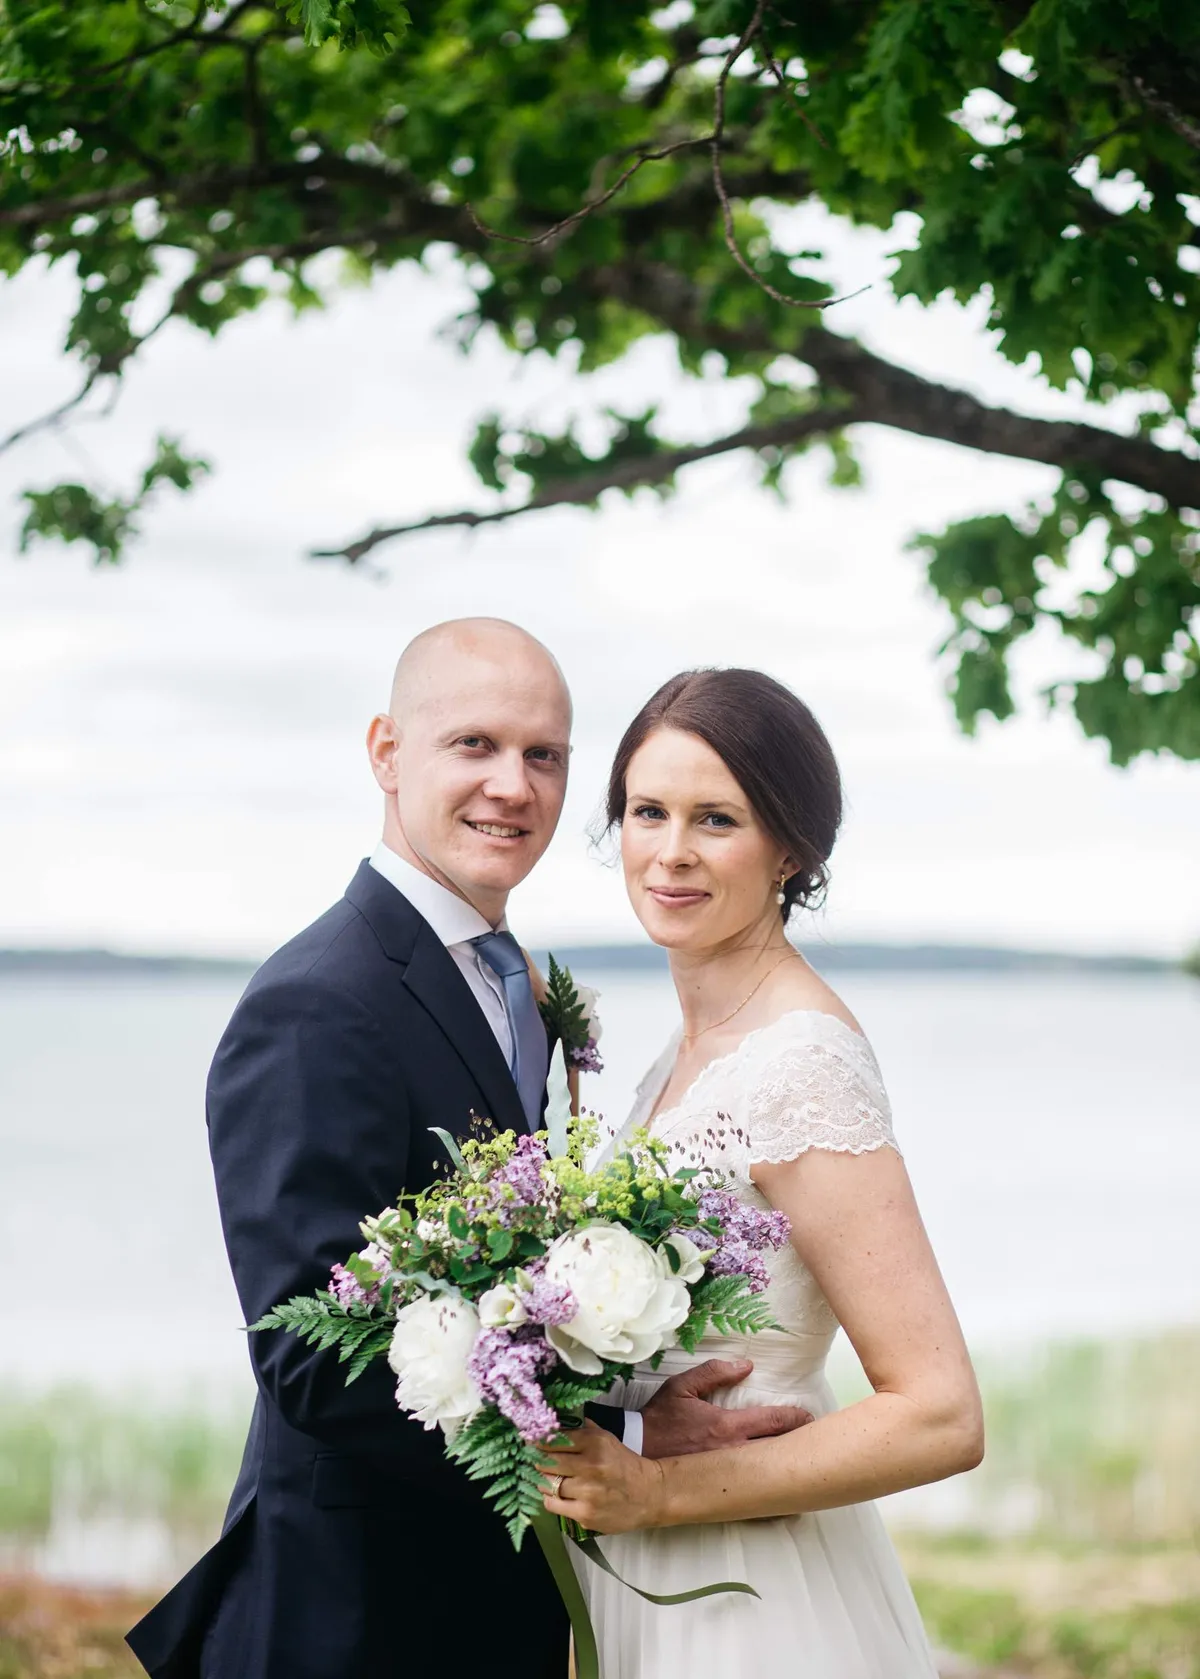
x: 471, y: 741
x: 543, y: 755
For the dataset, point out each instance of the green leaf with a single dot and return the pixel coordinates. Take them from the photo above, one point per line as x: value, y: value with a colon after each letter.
x: 500, y: 1243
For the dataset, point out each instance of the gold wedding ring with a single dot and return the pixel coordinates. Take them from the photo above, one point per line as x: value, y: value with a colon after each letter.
x: 556, y: 1485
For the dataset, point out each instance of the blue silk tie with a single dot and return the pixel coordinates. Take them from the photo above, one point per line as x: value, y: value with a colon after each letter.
x: 530, y: 1060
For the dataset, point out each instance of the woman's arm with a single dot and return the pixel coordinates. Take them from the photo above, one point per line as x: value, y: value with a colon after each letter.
x: 856, y: 1227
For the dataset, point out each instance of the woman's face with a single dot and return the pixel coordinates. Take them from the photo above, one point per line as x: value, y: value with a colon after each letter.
x: 700, y: 869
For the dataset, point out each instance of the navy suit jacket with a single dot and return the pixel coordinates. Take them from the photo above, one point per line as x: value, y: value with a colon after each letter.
x: 351, y: 1546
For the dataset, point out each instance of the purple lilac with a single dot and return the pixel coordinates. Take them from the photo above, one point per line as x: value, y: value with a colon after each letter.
x: 523, y: 1171
x: 745, y: 1232
x: 742, y: 1223
x: 738, y: 1259
x: 587, y: 1059
x: 349, y: 1291
x: 549, y: 1303
x: 505, y: 1368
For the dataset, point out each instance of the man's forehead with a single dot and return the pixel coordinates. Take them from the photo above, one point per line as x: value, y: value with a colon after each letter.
x: 493, y: 700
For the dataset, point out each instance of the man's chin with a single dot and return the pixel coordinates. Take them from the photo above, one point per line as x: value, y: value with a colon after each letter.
x: 498, y: 867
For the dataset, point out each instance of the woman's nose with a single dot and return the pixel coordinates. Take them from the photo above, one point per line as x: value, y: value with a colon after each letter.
x: 675, y: 850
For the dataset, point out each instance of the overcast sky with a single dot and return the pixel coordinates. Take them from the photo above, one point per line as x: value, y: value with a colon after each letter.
x: 181, y: 759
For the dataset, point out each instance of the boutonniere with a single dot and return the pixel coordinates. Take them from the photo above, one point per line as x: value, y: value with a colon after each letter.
x: 569, y: 1011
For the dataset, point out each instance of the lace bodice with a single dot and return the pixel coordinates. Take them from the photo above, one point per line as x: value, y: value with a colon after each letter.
x: 806, y: 1081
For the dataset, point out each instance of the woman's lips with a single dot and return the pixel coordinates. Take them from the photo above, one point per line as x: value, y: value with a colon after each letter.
x: 676, y: 897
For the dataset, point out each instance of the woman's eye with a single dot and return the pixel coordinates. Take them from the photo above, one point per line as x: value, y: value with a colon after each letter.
x: 719, y: 819
x: 651, y: 813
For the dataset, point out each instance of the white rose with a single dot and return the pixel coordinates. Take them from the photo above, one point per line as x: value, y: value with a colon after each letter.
x: 691, y: 1258
x: 502, y: 1308
x: 587, y: 1001
x: 629, y: 1301
x: 431, y: 1344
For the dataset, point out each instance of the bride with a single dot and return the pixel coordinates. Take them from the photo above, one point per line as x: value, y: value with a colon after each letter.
x: 728, y: 801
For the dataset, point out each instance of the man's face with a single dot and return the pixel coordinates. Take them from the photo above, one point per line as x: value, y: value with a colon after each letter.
x: 478, y: 767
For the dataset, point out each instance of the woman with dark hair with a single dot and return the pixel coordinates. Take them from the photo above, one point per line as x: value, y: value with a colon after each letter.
x: 728, y: 801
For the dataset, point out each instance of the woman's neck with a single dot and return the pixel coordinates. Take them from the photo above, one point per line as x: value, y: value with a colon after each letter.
x: 714, y: 984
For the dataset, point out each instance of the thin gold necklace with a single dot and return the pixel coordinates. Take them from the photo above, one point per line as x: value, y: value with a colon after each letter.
x: 690, y: 1037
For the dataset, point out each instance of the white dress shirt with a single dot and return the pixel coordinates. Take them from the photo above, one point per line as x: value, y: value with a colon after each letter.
x: 456, y: 923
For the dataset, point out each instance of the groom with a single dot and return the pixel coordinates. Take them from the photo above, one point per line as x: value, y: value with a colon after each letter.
x: 351, y: 1547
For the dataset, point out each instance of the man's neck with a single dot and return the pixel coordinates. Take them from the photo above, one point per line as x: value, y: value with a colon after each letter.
x: 490, y: 905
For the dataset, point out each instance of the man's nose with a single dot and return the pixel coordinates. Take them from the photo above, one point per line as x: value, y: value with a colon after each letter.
x: 508, y: 779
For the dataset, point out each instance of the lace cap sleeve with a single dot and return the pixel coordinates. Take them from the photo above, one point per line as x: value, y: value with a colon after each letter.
x: 825, y: 1093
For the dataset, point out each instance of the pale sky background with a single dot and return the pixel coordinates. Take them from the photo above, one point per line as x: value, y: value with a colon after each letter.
x: 181, y: 758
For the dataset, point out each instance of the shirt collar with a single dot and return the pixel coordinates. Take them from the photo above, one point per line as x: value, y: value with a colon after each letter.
x: 453, y: 919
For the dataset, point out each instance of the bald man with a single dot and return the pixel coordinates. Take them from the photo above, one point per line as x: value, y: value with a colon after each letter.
x: 351, y: 1547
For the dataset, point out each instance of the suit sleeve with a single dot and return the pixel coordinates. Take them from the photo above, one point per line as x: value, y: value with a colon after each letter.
x: 308, y: 1129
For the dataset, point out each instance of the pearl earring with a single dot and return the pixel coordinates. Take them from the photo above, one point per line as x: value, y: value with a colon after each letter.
x: 781, y: 895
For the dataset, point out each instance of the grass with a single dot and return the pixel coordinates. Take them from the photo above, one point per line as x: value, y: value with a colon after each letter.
x: 55, y: 1632
x: 70, y: 1457
x: 1081, y: 1560
x: 1061, y: 1612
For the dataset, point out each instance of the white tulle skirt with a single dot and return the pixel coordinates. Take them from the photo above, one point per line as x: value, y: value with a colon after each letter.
x: 833, y: 1600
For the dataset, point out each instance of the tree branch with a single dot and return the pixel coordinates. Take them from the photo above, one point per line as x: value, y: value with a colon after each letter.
x: 627, y: 474
x: 55, y: 417
x: 892, y: 396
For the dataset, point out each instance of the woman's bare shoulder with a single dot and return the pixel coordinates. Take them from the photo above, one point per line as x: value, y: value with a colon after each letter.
x: 803, y: 988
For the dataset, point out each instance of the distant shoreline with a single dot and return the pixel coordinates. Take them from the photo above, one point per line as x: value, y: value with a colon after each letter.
x: 860, y: 958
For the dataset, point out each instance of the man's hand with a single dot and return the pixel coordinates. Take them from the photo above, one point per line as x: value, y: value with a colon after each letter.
x: 680, y: 1418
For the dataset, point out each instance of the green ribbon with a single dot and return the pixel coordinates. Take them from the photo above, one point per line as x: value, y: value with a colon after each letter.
x: 553, y: 1541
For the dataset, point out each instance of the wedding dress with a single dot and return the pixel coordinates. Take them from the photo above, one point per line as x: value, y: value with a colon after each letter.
x: 833, y: 1600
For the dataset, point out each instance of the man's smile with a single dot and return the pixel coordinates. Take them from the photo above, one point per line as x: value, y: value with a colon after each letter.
x: 496, y: 830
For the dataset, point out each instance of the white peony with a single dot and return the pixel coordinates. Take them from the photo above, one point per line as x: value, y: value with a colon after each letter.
x: 502, y: 1308
x: 691, y: 1258
x: 588, y: 1000
x: 431, y: 1344
x: 630, y: 1302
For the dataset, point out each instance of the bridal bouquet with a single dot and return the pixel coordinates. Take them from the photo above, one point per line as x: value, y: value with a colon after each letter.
x: 523, y: 1284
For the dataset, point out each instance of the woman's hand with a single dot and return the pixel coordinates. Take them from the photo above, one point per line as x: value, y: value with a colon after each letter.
x: 604, y: 1486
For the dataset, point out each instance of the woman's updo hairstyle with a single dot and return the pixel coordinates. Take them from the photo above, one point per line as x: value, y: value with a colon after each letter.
x: 771, y: 744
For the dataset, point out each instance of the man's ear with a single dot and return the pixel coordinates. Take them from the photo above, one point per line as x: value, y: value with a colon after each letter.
x: 383, y: 737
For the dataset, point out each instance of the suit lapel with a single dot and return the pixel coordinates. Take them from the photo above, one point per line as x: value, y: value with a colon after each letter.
x: 435, y: 981
x: 432, y: 976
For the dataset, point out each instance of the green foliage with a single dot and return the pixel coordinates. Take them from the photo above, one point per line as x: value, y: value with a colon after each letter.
x: 565, y: 1016
x: 1045, y: 159
x: 73, y: 513
x: 1002, y: 578
x: 361, y: 1334
x: 490, y: 1449
x: 724, y: 1305
x: 378, y: 25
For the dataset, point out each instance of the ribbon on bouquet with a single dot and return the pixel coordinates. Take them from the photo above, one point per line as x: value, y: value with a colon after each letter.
x: 552, y: 1537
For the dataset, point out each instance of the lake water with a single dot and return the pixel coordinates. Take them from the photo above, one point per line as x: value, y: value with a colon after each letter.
x: 1050, y: 1125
